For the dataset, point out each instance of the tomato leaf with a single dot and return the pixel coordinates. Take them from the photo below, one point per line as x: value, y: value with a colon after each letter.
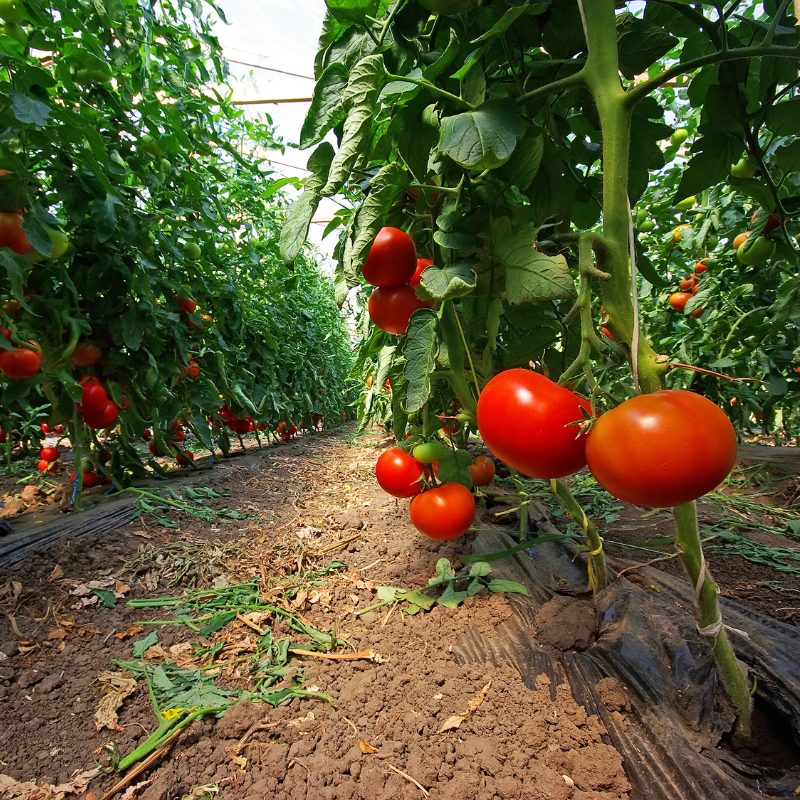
x: 530, y: 275
x: 143, y: 644
x: 414, y: 136
x: 524, y: 163
x: 450, y: 598
x: 359, y: 100
x: 483, y: 138
x: 29, y: 110
x: 788, y: 157
x: 710, y: 164
x: 454, y: 467
x: 327, y: 107
x: 502, y: 585
x: 783, y: 119
x: 445, y: 283
x: 420, y: 355
x: 132, y: 327
x: 352, y: 10
x: 640, y: 44
x: 479, y: 569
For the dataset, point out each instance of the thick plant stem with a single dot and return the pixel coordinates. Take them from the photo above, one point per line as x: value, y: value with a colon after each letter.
x: 595, y: 560
x: 709, y: 617
x: 601, y: 75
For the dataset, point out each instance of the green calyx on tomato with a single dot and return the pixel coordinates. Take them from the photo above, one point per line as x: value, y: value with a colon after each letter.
x: 398, y: 473
x: 392, y: 259
x: 529, y: 423
x: 756, y: 252
x: 428, y: 452
x: 443, y: 513
x: 640, y: 453
x: 744, y: 168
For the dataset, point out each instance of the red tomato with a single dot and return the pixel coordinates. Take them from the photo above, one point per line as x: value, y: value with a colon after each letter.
x: 85, y: 355
x: 6, y: 334
x: 59, y: 429
x: 49, y: 454
x: 448, y: 429
x: 482, y: 471
x: 90, y: 479
x: 45, y: 428
x: 686, y: 284
x: 524, y: 419
x: 155, y: 450
x: 422, y: 265
x: 640, y: 451
x: 2, y: 437
x: 184, y: 457
x: 443, y: 513
x: 392, y: 259
x: 93, y: 398
x: 11, y: 233
x: 242, y: 426
x: 387, y: 386
x: 147, y: 434
x: 105, y: 419
x: 47, y: 466
x: 607, y: 333
x: 292, y: 430
x: 398, y: 473
x: 186, y: 304
x: 21, y: 362
x: 391, y: 309
x: 678, y: 300
x: 700, y: 267
x: 178, y: 434
x: 771, y: 223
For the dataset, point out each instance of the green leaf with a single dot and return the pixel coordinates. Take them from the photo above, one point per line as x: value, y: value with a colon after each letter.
x: 755, y: 188
x: 444, y: 573
x: 352, y: 10
x: 788, y: 157
x: 710, y: 164
x: 483, y: 138
x: 105, y: 217
x: 420, y: 357
x: 479, y: 569
x: 327, y: 105
x: 474, y: 587
x: 161, y: 681
x: 447, y: 57
x: 454, y: 467
x: 503, y: 24
x: 450, y: 598
x: 359, y: 101
x: 501, y: 585
x: 218, y: 622
x: 646, y: 268
x: 524, y: 163
x: 530, y: 275
x: 417, y: 598
x: 143, y: 644
x: 414, y: 137
x: 133, y: 327
x: 107, y: 597
x: 783, y: 119
x: 640, y: 44
x: 445, y: 283
x: 29, y: 110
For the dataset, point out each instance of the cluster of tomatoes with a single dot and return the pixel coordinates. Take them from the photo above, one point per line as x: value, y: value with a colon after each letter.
x: 688, y: 289
x: 48, y: 459
x: 393, y: 268
x: 96, y: 408
x: 750, y: 250
x: 442, y: 511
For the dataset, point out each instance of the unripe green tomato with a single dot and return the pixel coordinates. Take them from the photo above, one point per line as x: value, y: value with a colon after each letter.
x: 744, y: 168
x: 16, y: 32
x: 761, y: 250
x: 428, y: 452
x: 150, y: 145
x: 165, y: 165
x: 686, y: 203
x: 647, y: 226
x: 9, y: 12
x: 191, y: 250
x: 59, y: 242
x: 679, y: 136
x: 641, y: 216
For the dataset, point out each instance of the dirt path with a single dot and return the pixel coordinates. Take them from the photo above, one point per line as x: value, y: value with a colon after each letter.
x: 308, y: 524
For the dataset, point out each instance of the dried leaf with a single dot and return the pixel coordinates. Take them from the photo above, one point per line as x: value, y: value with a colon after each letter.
x: 240, y: 761
x: 118, y: 686
x: 132, y: 631
x: 453, y: 722
x: 57, y: 633
x: 365, y: 747
x: 56, y: 573
x: 121, y: 588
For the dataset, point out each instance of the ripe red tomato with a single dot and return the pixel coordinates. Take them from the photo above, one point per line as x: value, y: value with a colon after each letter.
x: 607, y: 333
x: 398, y: 473
x: 90, y: 479
x: 242, y: 426
x: 45, y: 428
x: 678, y: 300
x: 46, y: 466
x: 49, y: 454
x: 700, y: 267
x: 448, y: 429
x: 59, y: 429
x: 192, y: 370
x: 525, y: 420
x: 686, y: 284
x: 21, y: 362
x: 105, y: 418
x: 422, y: 265
x: 186, y: 304
x: 155, y: 450
x: 85, y: 355
x: 93, y: 397
x: 184, y: 457
x: 11, y: 233
x: 771, y: 223
x: 444, y: 512
x: 641, y: 453
x: 178, y: 434
x: 391, y: 309
x: 482, y: 471
x: 392, y: 259
x: 147, y: 434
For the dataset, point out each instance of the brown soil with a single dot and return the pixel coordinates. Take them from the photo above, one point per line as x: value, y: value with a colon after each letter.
x: 316, y: 501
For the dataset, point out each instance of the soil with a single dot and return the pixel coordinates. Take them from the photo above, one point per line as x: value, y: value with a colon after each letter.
x: 409, y: 721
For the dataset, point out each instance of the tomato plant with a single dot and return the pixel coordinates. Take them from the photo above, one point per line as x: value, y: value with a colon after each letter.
x: 443, y: 513
x: 621, y: 445
x: 398, y: 473
x: 529, y: 423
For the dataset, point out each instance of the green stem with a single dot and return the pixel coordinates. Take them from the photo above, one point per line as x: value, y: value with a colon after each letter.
x: 456, y: 352
x: 709, y: 617
x: 433, y: 89
x: 385, y: 26
x: 524, y: 503
x: 596, y: 561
